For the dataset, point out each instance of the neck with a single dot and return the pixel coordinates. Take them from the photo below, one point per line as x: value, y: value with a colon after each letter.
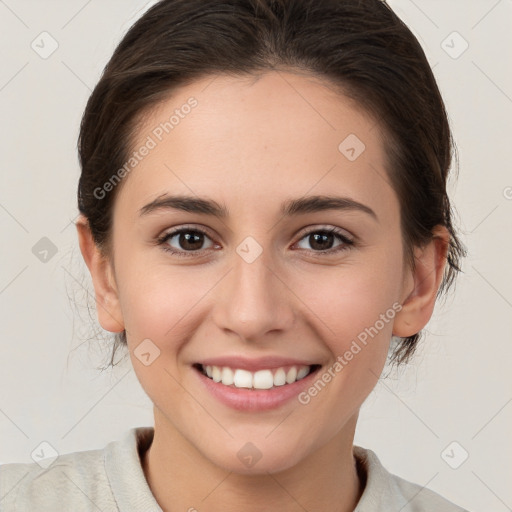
x: 181, y: 478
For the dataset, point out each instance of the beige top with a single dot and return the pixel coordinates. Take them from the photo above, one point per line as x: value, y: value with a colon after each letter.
x: 111, y: 479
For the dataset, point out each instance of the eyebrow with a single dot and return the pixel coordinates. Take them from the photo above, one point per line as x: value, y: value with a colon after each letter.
x: 292, y: 207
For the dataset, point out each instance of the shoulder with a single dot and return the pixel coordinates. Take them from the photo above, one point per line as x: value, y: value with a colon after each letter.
x: 72, y: 480
x: 386, y: 491
x: 108, y: 479
x: 423, y: 499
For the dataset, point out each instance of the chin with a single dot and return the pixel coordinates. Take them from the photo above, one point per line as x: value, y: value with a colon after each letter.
x: 257, y: 458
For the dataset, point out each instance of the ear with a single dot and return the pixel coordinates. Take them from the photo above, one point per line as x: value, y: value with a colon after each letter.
x: 100, y: 267
x: 419, y: 302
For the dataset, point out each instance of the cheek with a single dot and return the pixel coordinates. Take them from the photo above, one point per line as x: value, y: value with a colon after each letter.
x: 352, y: 302
x: 158, y: 305
x: 353, y: 312
x: 161, y: 303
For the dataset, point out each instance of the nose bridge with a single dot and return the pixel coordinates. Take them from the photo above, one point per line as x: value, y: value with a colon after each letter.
x: 255, y: 299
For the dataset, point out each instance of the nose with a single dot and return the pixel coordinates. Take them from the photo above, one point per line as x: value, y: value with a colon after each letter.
x: 254, y: 300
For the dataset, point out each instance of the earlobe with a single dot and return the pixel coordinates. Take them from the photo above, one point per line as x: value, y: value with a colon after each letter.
x: 418, y: 304
x: 107, y: 300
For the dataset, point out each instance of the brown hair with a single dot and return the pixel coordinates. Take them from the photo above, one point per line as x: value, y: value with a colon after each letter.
x: 360, y: 47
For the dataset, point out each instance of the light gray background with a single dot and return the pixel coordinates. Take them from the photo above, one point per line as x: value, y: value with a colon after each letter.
x: 458, y: 387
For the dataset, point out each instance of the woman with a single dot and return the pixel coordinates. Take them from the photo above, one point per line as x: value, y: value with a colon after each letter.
x: 265, y: 219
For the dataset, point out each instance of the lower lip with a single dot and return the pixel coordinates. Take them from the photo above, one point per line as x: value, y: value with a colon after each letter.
x: 244, y: 399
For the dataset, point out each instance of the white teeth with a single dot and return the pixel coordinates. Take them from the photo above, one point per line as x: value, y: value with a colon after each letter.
x: 291, y: 376
x: 262, y: 379
x: 216, y: 374
x: 302, y: 372
x: 242, y: 379
x: 280, y: 377
x: 227, y: 376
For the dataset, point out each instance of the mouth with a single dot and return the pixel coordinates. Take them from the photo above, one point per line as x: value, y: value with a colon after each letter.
x: 264, y: 379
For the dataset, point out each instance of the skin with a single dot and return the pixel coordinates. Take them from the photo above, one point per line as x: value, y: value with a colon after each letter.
x: 250, y: 144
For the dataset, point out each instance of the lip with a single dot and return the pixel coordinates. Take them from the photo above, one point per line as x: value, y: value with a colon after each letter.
x: 253, y: 400
x: 255, y: 364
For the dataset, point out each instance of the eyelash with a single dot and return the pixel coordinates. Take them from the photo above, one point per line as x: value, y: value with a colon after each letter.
x: 162, y: 241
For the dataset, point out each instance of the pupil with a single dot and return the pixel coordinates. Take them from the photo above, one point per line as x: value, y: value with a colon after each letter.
x: 190, y: 239
x: 316, y: 238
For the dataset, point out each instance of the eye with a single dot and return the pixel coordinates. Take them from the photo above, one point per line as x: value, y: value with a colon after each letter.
x: 189, y: 240
x: 321, y: 240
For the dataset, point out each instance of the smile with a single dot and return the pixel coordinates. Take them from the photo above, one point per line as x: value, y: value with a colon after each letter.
x: 261, y: 379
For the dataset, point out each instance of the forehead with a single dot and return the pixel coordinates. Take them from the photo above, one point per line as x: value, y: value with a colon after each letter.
x: 240, y: 139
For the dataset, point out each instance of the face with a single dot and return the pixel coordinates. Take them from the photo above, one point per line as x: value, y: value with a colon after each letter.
x: 276, y: 283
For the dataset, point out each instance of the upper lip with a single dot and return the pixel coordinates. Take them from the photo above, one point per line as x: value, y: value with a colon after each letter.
x: 254, y: 364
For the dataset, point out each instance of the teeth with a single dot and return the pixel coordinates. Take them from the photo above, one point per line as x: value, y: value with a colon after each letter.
x: 262, y: 379
x: 302, y: 372
x: 242, y: 379
x: 216, y: 374
x: 227, y: 376
x: 280, y: 378
x: 291, y: 376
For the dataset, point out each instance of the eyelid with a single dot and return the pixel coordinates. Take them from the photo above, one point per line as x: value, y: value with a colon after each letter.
x: 324, y: 227
x: 183, y: 227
